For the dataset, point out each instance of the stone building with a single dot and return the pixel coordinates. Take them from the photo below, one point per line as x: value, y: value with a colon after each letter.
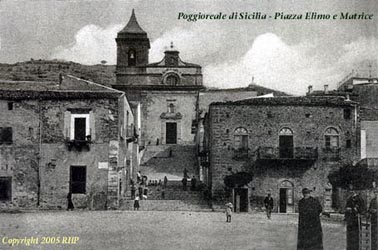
x: 59, y: 137
x: 285, y: 143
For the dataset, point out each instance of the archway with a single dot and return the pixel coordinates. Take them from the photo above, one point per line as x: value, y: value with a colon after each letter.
x: 286, y: 197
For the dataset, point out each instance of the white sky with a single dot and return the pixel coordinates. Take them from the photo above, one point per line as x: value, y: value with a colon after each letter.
x: 287, y: 55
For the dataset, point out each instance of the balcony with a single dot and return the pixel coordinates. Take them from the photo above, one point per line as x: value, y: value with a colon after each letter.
x: 331, y: 154
x: 240, y: 154
x: 78, y: 145
x: 297, y: 153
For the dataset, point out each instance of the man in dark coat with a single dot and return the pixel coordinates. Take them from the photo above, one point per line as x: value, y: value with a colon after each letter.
x: 374, y: 222
x: 310, y: 236
x: 354, y: 207
x: 268, y: 203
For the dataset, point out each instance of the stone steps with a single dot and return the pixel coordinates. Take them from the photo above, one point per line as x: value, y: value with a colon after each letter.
x: 165, y: 205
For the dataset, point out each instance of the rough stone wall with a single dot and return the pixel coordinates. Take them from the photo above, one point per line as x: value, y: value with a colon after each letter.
x: 263, y: 124
x: 157, y: 79
x: 155, y: 104
x: 19, y: 159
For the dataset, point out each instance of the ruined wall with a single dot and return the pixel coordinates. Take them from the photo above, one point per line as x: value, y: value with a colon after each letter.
x: 263, y: 123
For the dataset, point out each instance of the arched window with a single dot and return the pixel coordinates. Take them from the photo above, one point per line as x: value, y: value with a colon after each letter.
x: 171, y: 108
x: 241, y: 139
x: 286, y: 131
x: 172, y: 80
x: 131, y: 58
x: 331, y: 137
x: 286, y: 143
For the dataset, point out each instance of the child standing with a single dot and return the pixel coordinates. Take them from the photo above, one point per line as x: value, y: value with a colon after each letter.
x: 229, y: 207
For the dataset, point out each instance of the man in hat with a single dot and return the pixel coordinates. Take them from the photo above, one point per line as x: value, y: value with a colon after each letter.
x: 310, y: 236
x: 354, y: 207
x: 268, y: 203
x: 374, y: 221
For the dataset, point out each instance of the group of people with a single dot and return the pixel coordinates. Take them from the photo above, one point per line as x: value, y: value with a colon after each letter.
x: 193, y: 181
x: 142, y: 190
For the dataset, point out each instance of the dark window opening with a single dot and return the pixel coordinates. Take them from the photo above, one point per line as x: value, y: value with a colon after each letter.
x: 132, y: 58
x: 347, y: 113
x: 6, y: 135
x: 78, y: 177
x: 80, y: 134
x: 308, y: 115
x: 5, y: 188
x: 10, y: 105
x: 348, y: 143
x: 172, y: 80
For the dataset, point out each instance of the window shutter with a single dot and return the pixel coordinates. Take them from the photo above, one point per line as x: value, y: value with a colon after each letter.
x: 67, y: 125
x: 92, y: 127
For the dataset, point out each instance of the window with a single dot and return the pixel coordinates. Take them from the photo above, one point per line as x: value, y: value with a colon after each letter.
x: 10, y: 105
x: 331, y: 138
x: 172, y: 80
x: 347, y: 113
x: 171, y: 108
x: 80, y: 130
x: 131, y: 58
x: 286, y: 143
x: 6, y: 135
x: 78, y: 177
x: 348, y: 143
x: 241, y: 139
x: 5, y: 188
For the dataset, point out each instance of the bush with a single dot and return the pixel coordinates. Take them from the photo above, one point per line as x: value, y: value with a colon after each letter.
x: 359, y: 177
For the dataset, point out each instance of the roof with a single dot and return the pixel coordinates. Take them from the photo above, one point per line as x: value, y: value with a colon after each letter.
x: 133, y: 26
x: 292, y: 101
x: 250, y: 87
x: 70, y: 87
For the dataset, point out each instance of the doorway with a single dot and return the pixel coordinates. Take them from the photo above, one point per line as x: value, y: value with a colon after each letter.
x: 286, y: 143
x: 241, y: 200
x: 171, y: 133
x: 286, y: 197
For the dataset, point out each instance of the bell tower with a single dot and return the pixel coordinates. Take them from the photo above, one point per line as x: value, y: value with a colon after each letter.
x: 132, y: 50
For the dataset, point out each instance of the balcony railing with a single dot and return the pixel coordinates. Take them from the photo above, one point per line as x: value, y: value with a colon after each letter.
x: 240, y: 154
x: 298, y: 153
x: 332, y: 154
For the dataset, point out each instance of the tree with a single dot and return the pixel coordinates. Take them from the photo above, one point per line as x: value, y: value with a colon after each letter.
x: 358, y: 176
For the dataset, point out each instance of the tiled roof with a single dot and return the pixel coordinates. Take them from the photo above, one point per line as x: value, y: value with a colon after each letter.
x: 293, y: 101
x: 70, y: 88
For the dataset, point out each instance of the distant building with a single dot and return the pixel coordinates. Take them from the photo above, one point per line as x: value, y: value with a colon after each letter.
x: 286, y: 143
x: 68, y: 136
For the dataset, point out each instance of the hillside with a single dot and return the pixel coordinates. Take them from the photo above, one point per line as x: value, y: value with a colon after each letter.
x: 48, y: 70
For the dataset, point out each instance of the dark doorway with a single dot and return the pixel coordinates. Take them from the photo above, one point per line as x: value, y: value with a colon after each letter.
x: 283, y: 200
x: 171, y: 133
x: 80, y: 129
x: 5, y: 188
x: 241, y: 199
x: 78, y: 179
x: 286, y: 146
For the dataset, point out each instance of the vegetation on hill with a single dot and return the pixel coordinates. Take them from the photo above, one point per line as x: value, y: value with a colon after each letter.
x: 48, y: 70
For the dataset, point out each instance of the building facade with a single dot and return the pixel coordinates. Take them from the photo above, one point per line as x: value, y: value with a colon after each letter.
x: 284, y: 143
x: 69, y: 137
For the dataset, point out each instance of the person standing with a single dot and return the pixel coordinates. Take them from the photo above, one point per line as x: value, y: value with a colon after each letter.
x: 136, y: 203
x: 374, y: 221
x: 184, y: 182
x: 193, y: 183
x: 310, y: 235
x: 229, y: 207
x: 165, y: 181
x: 70, y: 205
x: 133, y: 189
x: 268, y: 202
x: 354, y: 207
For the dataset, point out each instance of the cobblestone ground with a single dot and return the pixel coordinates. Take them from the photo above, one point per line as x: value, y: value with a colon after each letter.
x: 160, y: 230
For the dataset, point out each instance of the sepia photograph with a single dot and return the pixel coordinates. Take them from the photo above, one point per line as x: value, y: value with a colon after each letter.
x: 189, y: 125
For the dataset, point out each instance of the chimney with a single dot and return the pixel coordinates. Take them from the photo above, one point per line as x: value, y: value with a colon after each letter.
x: 326, y: 89
x: 309, y: 89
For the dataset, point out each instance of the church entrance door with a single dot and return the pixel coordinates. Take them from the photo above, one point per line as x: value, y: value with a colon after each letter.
x: 171, y: 133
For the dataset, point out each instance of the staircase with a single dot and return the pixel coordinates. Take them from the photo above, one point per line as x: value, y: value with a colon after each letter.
x: 169, y: 160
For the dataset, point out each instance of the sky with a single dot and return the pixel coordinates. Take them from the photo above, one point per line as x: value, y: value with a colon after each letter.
x: 287, y: 55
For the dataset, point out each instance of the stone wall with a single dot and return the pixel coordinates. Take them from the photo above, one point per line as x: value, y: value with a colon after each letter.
x: 263, y: 123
